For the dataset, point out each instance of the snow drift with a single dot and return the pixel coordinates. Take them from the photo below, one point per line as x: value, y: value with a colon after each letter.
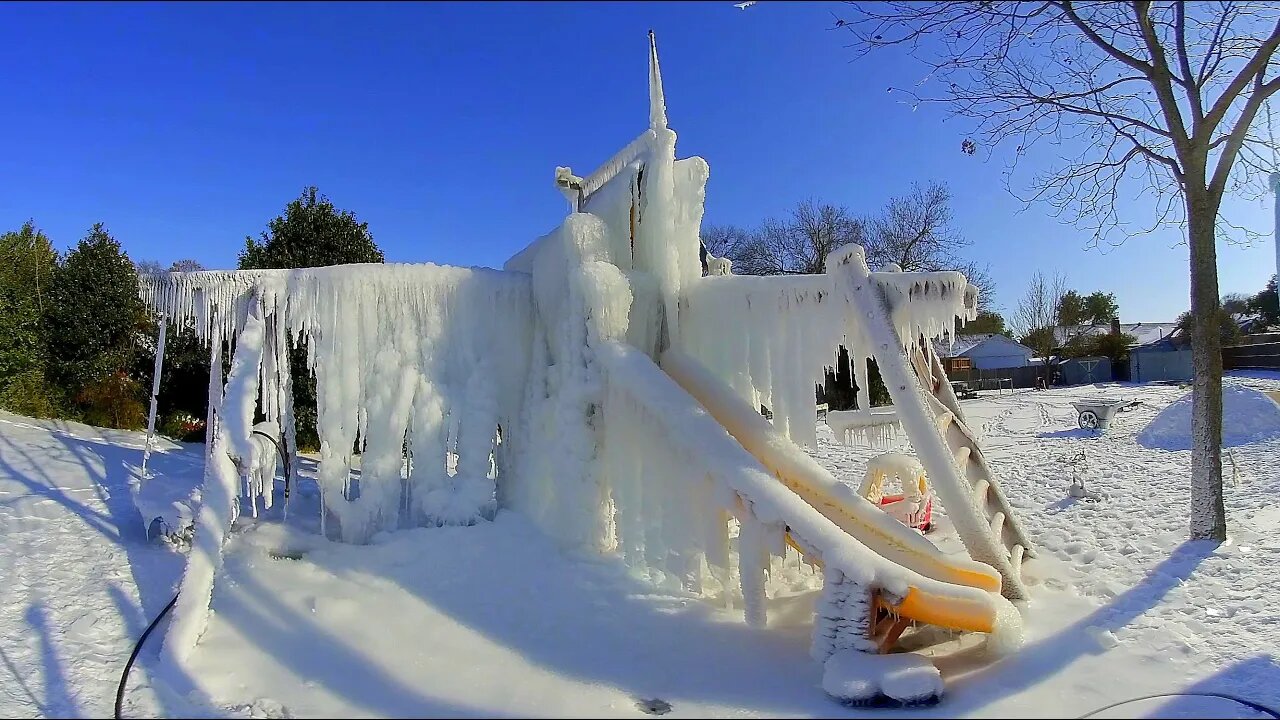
x: 1248, y: 416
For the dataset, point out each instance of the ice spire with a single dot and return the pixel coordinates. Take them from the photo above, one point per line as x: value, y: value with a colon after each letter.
x: 657, y: 102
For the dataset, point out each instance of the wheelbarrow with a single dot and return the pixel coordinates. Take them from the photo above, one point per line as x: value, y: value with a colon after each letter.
x: 1097, y: 414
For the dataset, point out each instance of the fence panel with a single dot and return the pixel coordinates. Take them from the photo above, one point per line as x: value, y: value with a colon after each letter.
x: 1261, y: 355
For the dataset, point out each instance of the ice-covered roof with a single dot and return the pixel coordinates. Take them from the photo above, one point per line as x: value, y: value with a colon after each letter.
x: 1144, y: 332
x: 964, y: 344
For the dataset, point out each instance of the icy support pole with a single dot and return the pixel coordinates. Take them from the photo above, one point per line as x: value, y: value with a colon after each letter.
x: 218, y: 493
x: 215, y: 391
x: 850, y: 264
x: 136, y: 484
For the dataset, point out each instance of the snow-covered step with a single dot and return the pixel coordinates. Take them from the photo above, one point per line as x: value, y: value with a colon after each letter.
x: 980, y: 489
x: 1016, y: 555
x: 997, y: 524
x: 961, y: 455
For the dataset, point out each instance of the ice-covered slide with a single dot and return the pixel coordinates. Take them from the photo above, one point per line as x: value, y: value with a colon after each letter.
x: 859, y: 581
x: 873, y: 530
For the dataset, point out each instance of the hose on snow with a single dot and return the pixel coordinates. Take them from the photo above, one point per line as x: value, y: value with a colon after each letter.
x: 1247, y: 703
x: 137, y: 648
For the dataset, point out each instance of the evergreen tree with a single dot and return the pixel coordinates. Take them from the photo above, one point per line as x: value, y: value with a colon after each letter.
x: 1100, y: 307
x: 90, y: 325
x: 310, y: 233
x: 987, y: 322
x: 27, y: 264
x: 1266, y: 304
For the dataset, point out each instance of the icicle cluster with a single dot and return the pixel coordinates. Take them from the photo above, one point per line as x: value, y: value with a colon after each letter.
x: 772, y: 337
x: 876, y: 428
x: 927, y: 304
x: 435, y: 355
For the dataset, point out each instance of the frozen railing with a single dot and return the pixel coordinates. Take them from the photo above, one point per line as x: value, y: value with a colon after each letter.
x: 772, y: 337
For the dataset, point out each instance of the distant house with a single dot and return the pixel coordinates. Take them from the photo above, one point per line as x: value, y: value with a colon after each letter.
x: 1146, y: 333
x: 986, y: 351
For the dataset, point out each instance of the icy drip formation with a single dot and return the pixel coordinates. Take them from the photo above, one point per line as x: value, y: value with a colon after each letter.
x: 841, y: 618
x: 437, y: 354
x: 769, y: 338
x: 214, y: 302
x: 262, y: 465
x: 926, y: 305
x: 772, y: 337
x: 864, y: 426
x: 581, y: 300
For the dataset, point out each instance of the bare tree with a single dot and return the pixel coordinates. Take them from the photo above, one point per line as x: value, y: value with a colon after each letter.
x: 1036, y: 313
x: 741, y: 246
x: 796, y: 245
x: 801, y: 243
x: 1159, y: 100
x: 916, y: 232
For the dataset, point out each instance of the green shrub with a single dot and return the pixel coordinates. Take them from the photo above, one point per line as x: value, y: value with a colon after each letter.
x: 28, y: 393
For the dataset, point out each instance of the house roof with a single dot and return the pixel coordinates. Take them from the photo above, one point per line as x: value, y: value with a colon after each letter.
x: 1144, y: 332
x: 964, y: 344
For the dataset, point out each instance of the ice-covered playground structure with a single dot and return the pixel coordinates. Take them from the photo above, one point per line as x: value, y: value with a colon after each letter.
x: 605, y: 388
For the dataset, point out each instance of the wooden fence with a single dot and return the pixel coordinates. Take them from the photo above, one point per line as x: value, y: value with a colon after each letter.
x: 1261, y: 355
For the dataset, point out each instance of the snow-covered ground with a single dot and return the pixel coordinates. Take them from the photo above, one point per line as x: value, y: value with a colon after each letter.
x: 493, y: 620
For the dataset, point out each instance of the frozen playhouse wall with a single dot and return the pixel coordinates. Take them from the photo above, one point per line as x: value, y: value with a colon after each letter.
x: 537, y: 389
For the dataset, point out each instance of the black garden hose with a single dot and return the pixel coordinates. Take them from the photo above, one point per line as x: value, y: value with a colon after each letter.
x: 1247, y: 703
x: 137, y: 648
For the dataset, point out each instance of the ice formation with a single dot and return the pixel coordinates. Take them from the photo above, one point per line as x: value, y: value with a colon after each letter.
x: 868, y: 427
x: 537, y: 388
x: 859, y: 678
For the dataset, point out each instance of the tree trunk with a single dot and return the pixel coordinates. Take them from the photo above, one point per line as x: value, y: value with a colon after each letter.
x: 1208, y: 514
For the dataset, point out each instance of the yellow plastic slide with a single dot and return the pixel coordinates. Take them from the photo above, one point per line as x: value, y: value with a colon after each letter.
x: 837, y: 501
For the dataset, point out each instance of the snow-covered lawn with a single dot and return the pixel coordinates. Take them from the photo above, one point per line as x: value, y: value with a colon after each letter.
x: 492, y: 620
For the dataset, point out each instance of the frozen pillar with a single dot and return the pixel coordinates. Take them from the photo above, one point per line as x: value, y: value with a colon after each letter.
x: 155, y: 393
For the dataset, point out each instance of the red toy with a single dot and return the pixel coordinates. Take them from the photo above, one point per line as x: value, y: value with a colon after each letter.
x: 914, y: 507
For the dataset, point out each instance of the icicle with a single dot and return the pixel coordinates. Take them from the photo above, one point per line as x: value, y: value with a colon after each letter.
x: 753, y: 559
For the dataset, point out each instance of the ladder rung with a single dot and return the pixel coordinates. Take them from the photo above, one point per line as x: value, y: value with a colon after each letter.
x: 997, y: 523
x: 980, y: 489
x: 1015, y: 557
x: 962, y: 456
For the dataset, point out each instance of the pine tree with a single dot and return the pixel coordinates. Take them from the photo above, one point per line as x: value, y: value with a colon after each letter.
x: 90, y: 325
x: 27, y: 264
x: 310, y: 233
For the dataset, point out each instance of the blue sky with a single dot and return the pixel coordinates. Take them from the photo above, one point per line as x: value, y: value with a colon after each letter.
x: 186, y: 126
